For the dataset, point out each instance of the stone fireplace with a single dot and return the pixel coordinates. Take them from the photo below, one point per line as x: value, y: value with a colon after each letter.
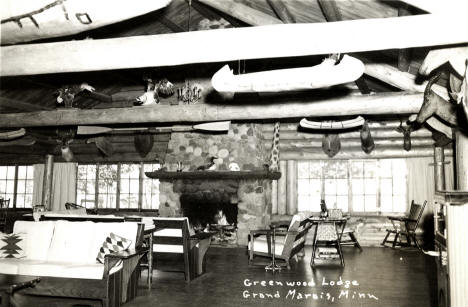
x: 244, y: 202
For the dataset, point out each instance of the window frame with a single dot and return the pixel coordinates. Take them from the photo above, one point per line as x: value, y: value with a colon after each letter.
x: 12, y: 205
x: 118, y: 187
x: 351, y: 209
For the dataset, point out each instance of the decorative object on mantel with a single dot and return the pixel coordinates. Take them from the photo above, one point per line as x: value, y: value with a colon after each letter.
x: 274, y: 158
x: 189, y: 93
x: 331, y: 71
x: 215, y: 175
x: 332, y: 125
x: 66, y: 94
x: 210, y: 166
x: 234, y: 167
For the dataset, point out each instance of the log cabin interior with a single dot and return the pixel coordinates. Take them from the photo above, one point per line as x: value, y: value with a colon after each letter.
x: 229, y: 120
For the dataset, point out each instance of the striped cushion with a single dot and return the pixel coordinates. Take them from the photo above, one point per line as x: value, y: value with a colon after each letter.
x: 113, y: 243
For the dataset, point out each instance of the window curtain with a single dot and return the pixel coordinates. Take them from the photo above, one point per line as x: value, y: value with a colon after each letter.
x: 421, y: 180
x: 284, y: 190
x: 37, y: 184
x: 63, y: 185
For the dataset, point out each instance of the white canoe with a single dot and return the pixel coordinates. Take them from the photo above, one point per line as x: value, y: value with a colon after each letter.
x: 27, y: 20
x: 332, y: 125
x: 326, y: 74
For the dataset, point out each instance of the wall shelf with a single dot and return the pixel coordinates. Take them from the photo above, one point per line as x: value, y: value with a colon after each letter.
x: 214, y: 175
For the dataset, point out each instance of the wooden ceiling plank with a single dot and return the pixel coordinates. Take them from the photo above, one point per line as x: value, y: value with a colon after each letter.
x: 171, y: 25
x: 271, y: 41
x: 404, y: 55
x: 213, y: 14
x: 387, y: 103
x: 400, y: 79
x: 242, y: 12
x: 282, y: 11
x: 332, y: 13
x: 21, y: 106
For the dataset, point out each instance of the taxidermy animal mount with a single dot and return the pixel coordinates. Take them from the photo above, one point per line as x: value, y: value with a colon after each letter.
x: 153, y: 90
x: 331, y: 144
x: 66, y: 94
x: 406, y: 135
x: 433, y: 104
x: 64, y: 138
x: 367, y: 142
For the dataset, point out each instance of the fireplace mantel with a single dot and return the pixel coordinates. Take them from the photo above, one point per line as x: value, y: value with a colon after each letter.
x: 214, y: 175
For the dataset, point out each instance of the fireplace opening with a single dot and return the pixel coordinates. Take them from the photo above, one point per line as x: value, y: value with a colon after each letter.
x: 209, y: 208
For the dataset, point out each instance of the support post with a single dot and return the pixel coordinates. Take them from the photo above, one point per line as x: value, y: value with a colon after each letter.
x: 47, y: 182
x: 439, y: 169
x: 461, y: 158
x: 457, y: 228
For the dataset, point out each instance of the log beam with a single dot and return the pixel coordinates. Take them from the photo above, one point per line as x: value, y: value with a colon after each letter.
x: 20, y: 105
x: 281, y: 10
x: 164, y: 49
x: 387, y: 103
x: 345, y: 143
x: 378, y: 153
x: 399, y: 79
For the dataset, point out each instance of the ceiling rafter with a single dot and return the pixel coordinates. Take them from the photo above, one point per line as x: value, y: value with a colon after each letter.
x: 21, y: 106
x: 375, y: 104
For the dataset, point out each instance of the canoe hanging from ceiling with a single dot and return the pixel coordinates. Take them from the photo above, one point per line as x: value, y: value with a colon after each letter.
x: 325, y: 74
x: 28, y: 20
x: 332, y: 125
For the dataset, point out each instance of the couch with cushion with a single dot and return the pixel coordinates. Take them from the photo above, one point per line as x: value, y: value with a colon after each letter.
x: 66, y: 254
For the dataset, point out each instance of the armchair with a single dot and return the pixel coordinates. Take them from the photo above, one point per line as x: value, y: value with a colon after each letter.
x: 289, y: 240
x: 405, y: 226
x: 174, y: 245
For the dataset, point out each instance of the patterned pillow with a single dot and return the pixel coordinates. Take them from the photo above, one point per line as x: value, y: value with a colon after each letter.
x: 113, y: 243
x: 12, y: 245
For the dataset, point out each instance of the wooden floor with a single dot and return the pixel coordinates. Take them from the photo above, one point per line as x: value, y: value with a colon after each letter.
x: 375, y: 277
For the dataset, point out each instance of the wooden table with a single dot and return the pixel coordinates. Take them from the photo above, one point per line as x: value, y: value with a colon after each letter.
x: 339, y: 225
x: 11, y: 283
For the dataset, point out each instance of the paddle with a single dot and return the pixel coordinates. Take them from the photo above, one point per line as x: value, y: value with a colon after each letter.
x: 212, y: 126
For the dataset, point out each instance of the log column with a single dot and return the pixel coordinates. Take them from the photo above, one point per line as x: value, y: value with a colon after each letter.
x: 47, y: 182
x: 439, y: 169
x: 457, y: 229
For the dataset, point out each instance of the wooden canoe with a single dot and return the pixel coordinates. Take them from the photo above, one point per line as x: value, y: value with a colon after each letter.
x: 28, y: 20
x: 326, y: 74
x: 332, y: 125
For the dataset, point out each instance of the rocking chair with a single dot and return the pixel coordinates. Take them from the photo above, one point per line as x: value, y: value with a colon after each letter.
x: 406, y: 227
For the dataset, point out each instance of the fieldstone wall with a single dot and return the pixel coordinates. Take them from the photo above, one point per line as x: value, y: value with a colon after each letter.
x: 242, y: 145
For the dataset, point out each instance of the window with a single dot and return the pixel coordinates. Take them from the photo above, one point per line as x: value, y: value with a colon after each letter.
x: 117, y: 186
x: 16, y: 184
x: 354, y: 185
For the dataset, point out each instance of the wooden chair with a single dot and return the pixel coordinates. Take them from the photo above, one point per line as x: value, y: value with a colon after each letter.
x: 406, y: 226
x: 4, y: 204
x: 175, y: 247
x: 289, y: 241
x: 348, y: 237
